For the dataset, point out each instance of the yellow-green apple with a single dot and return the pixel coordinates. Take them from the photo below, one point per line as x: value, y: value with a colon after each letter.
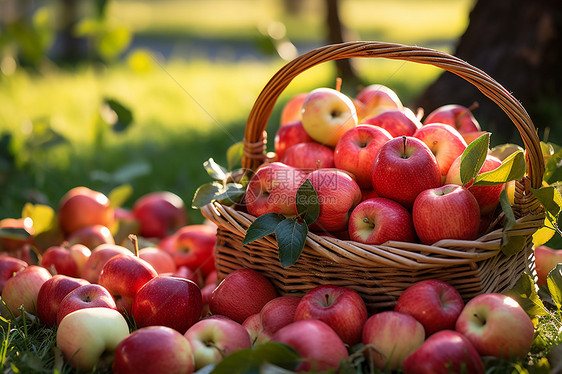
x: 51, y: 294
x: 398, y: 122
x: 338, y: 194
x: 8, y: 267
x: 378, y: 220
x: 64, y: 260
x: 167, y: 301
x: 85, y: 296
x: 289, y: 135
x: 22, y: 289
x: 546, y: 259
x: 318, y: 345
x: 395, y: 336
x: 292, y: 110
x: 339, y: 307
x: 488, y: 197
x: 445, y: 142
x: 446, y: 212
x: 214, y: 338
x: 404, y: 167
x: 88, y: 337
x: 123, y: 276
x: 91, y: 236
x: 497, y: 326
x: 434, y: 303
x: 242, y: 293
x: 81, y: 207
x: 357, y: 150
x: 454, y: 115
x: 327, y: 114
x: 273, y: 189
x: 161, y: 261
x: 444, y: 352
x: 9, y: 243
x: 376, y: 98
x: 309, y: 156
x: 98, y: 257
x: 159, y: 214
x: 138, y: 353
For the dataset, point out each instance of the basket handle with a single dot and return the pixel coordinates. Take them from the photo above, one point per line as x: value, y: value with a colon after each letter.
x: 254, y: 137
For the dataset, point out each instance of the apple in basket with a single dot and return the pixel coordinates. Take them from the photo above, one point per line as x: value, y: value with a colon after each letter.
x: 454, y: 115
x: 292, y: 111
x: 398, y: 122
x: 376, y: 98
x: 289, y: 135
x: 309, y: 156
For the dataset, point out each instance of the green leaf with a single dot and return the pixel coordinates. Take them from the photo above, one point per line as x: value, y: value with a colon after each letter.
x: 214, y: 170
x: 291, y: 238
x: 552, y: 169
x: 43, y: 217
x: 113, y: 41
x: 234, y: 155
x: 510, y: 244
x: 526, y: 295
x: 554, y: 285
x: 207, y: 193
x: 308, y: 206
x: 262, y: 226
x: 473, y: 158
x: 550, y: 199
x: 14, y: 233
x: 512, y: 168
x: 119, y: 195
x: 116, y: 114
x: 251, y: 360
x: 545, y: 233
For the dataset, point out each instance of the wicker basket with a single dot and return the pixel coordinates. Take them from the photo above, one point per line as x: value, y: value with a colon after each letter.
x: 380, y: 273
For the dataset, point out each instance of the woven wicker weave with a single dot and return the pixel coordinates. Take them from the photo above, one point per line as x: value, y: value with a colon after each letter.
x: 380, y: 273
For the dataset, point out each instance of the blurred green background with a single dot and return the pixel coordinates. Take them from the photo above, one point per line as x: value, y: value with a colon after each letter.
x: 143, y: 92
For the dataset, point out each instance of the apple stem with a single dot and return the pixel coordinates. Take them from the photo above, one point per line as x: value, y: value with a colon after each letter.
x: 135, y: 241
x: 480, y: 319
x: 338, y: 84
x: 404, y: 144
x: 473, y: 106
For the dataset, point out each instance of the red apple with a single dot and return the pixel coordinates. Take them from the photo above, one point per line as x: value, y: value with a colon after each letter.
x: 292, y: 111
x: 394, y: 335
x: 82, y: 207
x: 22, y: 289
x: 315, y: 342
x: 308, y: 156
x: 99, y: 256
x: 405, y: 167
x: 339, y: 307
x: 377, y: 98
x: 338, y: 194
x: 91, y: 236
x: 444, y: 352
x: 253, y: 325
x: 497, y: 326
x: 546, y: 259
x: 8, y: 267
x: 446, y: 212
x: 434, y: 303
x: 167, y: 301
x: 357, y: 150
x: 398, y: 122
x: 160, y: 260
x: 278, y: 313
x: 242, y: 293
x: 51, y: 293
x: 85, y: 296
x: 454, y: 115
x: 378, y: 220
x: 12, y: 244
x: 288, y: 135
x: 66, y: 260
x: 138, y: 353
x: 159, y: 214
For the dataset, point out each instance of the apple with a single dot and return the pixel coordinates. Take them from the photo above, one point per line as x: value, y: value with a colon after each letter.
x: 546, y: 259
x: 368, y: 193
x: 272, y: 189
x: 137, y: 353
x: 160, y: 260
x: 444, y: 352
x: 394, y: 335
x: 51, y: 294
x: 292, y: 110
x: 98, y: 257
x: 289, y: 135
x: 64, y: 260
x: 242, y: 293
x: 445, y: 142
x: 446, y: 212
x: 327, y: 114
x: 434, y: 303
x: 315, y: 342
x: 187, y: 273
x: 278, y: 313
x: 404, y: 167
x: 212, y: 339
x: 308, y: 156
x: 85, y: 296
x: 488, y: 197
x: 253, y: 325
x: 378, y: 220
x: 497, y: 326
x: 85, y: 336
x: 167, y: 301
x: 12, y: 244
x: 159, y: 214
x: 454, y: 115
x: 338, y: 194
x: 8, y: 267
x: 376, y: 98
x: 398, y: 122
x: 81, y: 207
x: 357, y: 150
x: 339, y: 307
x: 23, y: 289
x: 91, y: 236
x: 123, y: 276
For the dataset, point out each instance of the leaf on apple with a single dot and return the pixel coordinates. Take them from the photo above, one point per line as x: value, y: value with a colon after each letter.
x: 119, y: 195
x: 511, y: 244
x: 262, y: 226
x: 214, y: 170
x: 525, y: 293
x: 473, y: 158
x: 291, y: 237
x: 554, y: 285
x: 229, y: 193
x: 253, y: 360
x: 43, y: 217
x: 512, y: 168
x: 308, y: 206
